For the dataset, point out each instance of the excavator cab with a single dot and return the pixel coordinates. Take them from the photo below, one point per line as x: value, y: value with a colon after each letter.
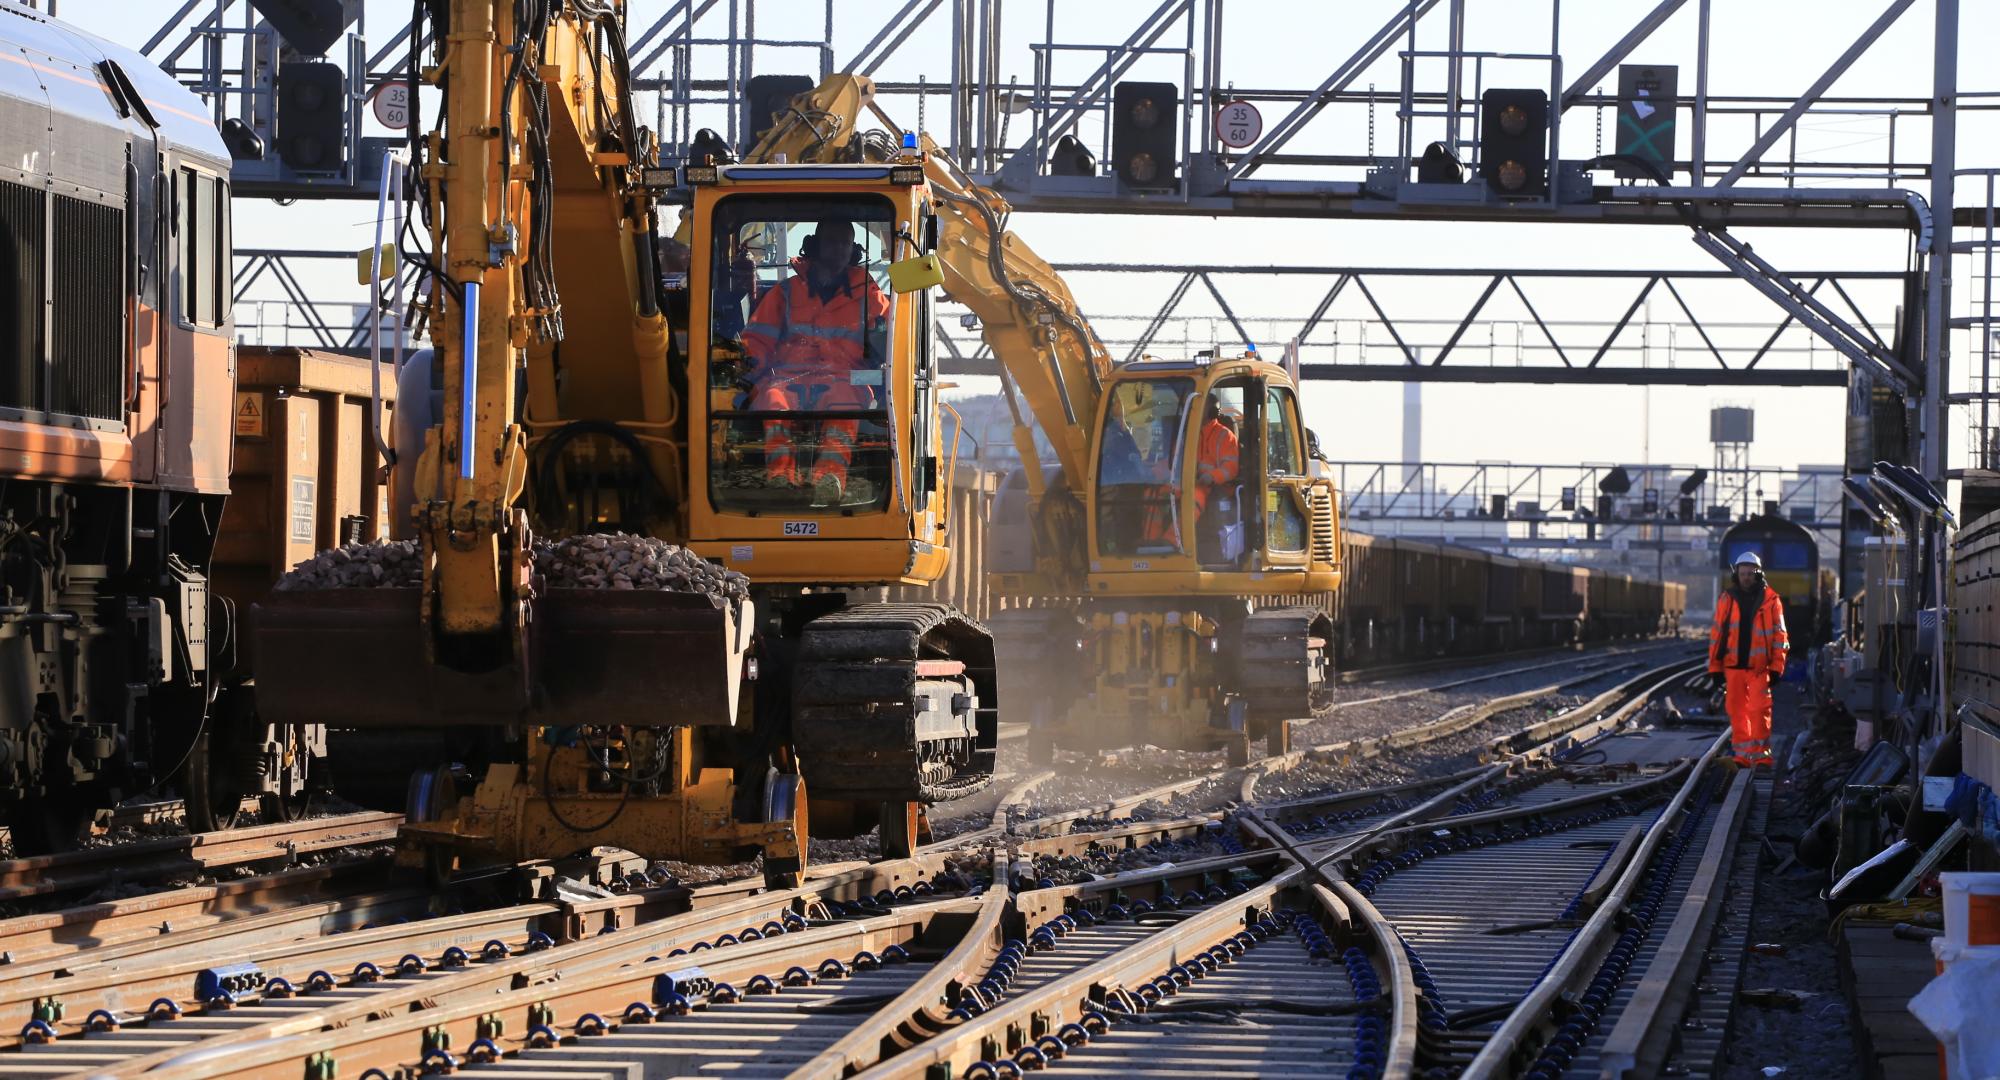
x: 800, y: 324
x: 810, y: 434
x: 1205, y: 527
x: 1201, y: 469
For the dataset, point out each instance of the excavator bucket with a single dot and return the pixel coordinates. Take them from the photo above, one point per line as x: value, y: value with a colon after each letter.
x: 359, y: 658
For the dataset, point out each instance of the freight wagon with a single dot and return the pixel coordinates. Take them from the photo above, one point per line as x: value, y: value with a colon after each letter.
x: 1403, y: 600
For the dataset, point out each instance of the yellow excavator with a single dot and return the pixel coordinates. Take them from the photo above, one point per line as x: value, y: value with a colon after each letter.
x: 775, y: 412
x: 1168, y: 577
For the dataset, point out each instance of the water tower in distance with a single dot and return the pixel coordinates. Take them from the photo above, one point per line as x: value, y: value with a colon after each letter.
x: 1731, y: 428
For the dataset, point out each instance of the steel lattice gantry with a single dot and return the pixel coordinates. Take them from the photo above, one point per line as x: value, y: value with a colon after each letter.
x: 1342, y: 138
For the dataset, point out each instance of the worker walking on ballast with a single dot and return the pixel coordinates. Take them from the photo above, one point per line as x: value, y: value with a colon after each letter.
x: 1747, y: 647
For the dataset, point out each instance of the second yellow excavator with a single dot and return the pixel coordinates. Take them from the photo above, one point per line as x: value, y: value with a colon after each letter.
x: 1168, y: 576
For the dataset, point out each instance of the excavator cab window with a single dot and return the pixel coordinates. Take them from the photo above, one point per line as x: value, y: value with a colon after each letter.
x: 1139, y: 467
x: 799, y: 353
x: 1285, y: 526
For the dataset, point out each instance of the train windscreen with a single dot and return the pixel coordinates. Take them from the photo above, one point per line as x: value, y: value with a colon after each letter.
x: 1788, y: 555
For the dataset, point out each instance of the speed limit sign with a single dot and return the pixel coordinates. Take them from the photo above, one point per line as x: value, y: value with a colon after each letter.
x: 1238, y: 124
x: 391, y: 102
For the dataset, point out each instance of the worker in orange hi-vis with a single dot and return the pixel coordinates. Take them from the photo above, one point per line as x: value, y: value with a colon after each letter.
x: 808, y: 339
x: 1747, y: 647
x: 1216, y: 463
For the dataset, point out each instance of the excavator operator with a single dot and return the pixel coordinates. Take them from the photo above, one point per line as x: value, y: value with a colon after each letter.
x: 1216, y: 468
x: 1217, y: 463
x: 806, y: 339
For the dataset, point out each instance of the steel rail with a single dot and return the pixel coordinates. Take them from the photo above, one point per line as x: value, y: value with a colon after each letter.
x: 914, y: 1013
x: 716, y: 911
x: 40, y: 875
x: 137, y: 922
x: 1118, y: 806
x: 573, y: 1012
x: 1639, y: 1043
x: 1621, y: 863
x: 1453, y: 721
x: 1503, y: 1049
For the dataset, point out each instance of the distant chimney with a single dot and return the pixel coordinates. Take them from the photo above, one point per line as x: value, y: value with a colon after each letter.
x: 1413, y: 431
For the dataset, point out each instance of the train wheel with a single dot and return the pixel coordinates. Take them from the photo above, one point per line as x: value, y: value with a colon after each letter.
x: 430, y: 795
x: 785, y: 800
x: 1278, y: 738
x: 211, y: 805
x: 903, y: 826
x: 440, y: 866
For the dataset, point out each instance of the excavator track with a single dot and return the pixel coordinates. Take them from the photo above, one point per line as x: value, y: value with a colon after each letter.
x: 895, y: 703
x: 1283, y: 662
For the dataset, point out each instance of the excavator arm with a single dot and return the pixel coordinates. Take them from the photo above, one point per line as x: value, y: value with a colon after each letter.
x: 538, y: 139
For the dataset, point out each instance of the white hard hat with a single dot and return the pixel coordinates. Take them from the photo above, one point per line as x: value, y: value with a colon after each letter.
x: 1749, y: 557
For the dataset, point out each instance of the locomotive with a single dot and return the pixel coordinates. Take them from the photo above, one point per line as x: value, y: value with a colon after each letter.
x: 1792, y: 566
x: 118, y: 394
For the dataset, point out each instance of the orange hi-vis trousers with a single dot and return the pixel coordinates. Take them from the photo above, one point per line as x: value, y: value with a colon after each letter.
x: 812, y: 390
x: 1747, y: 696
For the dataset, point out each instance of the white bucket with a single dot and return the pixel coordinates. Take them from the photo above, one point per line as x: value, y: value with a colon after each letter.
x: 1955, y: 1008
x: 1971, y: 909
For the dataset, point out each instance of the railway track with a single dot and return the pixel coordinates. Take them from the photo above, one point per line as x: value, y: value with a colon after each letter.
x: 195, y: 853
x: 1545, y: 907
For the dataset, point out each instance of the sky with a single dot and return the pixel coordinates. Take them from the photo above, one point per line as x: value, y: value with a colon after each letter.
x: 1768, y: 48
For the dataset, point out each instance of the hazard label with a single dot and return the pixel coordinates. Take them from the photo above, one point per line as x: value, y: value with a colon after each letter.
x: 250, y: 413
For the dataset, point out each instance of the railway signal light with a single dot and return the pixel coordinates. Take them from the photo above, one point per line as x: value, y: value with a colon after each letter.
x: 312, y: 117
x: 1072, y: 158
x: 310, y: 27
x: 1439, y: 166
x: 1514, y: 142
x: 1143, y: 143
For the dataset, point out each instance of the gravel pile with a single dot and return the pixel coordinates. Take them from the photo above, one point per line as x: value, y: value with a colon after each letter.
x: 1094, y: 864
x: 381, y: 564
x: 596, y: 561
x: 1315, y: 776
x: 622, y: 561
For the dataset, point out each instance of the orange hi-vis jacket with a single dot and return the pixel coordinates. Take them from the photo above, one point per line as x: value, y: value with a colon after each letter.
x: 793, y: 328
x: 1217, y: 462
x: 1756, y: 641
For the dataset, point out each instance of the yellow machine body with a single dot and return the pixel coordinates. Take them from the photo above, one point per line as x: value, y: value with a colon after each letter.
x: 635, y: 718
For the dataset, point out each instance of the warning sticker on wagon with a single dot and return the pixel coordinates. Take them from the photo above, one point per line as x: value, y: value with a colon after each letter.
x: 250, y: 413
